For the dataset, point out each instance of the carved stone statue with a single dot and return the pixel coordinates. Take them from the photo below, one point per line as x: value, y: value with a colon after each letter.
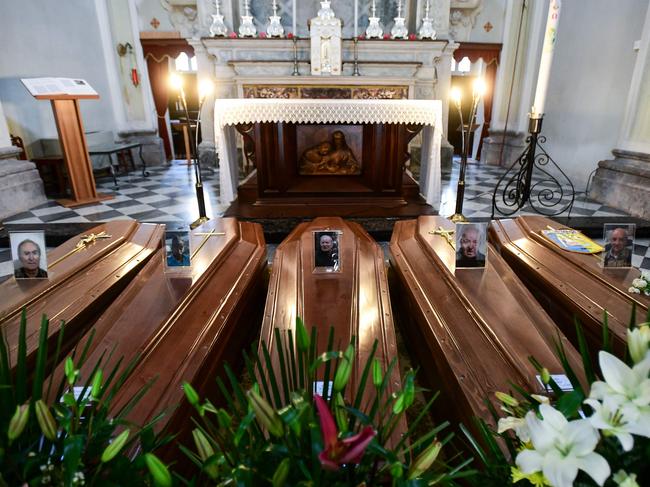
x: 331, y: 158
x: 325, y: 33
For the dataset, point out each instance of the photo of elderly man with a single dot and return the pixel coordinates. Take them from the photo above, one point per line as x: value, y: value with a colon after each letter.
x: 619, y: 245
x: 29, y: 260
x: 470, y: 245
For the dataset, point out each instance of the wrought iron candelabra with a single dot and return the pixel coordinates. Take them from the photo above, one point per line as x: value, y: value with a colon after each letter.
x: 516, y: 187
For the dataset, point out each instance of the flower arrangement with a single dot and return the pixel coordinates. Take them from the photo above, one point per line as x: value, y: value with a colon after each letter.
x: 641, y: 285
x: 280, y: 432
x: 599, y: 435
x: 72, y: 440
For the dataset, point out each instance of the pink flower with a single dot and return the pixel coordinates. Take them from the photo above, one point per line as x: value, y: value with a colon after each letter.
x: 361, y: 37
x: 386, y: 36
x: 290, y: 35
x: 339, y: 452
x: 412, y: 37
x: 262, y: 35
x: 233, y: 35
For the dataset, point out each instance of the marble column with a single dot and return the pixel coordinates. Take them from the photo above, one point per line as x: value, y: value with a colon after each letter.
x: 624, y: 182
x: 206, y: 71
x: 515, y: 83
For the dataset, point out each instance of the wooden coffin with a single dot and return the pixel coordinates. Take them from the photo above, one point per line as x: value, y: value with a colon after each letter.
x: 354, y: 301
x: 81, y: 285
x: 471, y: 329
x: 184, y: 327
x: 569, y: 284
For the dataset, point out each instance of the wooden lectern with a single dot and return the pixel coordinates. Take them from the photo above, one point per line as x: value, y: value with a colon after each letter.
x: 75, y: 150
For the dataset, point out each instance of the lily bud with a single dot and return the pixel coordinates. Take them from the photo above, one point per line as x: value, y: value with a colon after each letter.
x: 265, y: 413
x: 409, y: 389
x: 349, y: 353
x: 506, y: 399
x: 70, y: 372
x: 96, y: 388
x: 281, y: 473
x: 342, y: 374
x: 18, y: 422
x: 302, y: 337
x: 45, y: 420
x: 396, y: 470
x: 377, y: 373
x: 545, y: 376
x: 114, y: 448
x: 158, y: 470
x: 638, y: 343
x: 191, y: 394
x: 205, y: 451
x: 424, y: 460
x: 339, y: 412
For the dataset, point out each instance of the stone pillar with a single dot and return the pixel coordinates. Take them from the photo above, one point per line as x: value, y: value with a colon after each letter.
x: 624, y: 182
x: 515, y: 84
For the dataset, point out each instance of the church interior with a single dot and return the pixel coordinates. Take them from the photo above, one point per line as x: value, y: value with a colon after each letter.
x: 447, y: 185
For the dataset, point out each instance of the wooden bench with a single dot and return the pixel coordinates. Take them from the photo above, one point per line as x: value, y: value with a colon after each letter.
x: 569, y: 284
x: 81, y: 285
x: 354, y: 301
x: 185, y: 327
x: 471, y: 329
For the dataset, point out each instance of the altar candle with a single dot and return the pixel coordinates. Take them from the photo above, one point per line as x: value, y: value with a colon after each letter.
x: 295, y: 34
x: 550, y: 37
x: 356, y: 18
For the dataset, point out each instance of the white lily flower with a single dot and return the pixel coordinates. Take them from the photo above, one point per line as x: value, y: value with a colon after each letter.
x: 517, y: 424
x: 638, y: 343
x: 639, y: 283
x: 627, y: 388
x: 609, y: 417
x: 541, y: 399
x: 561, y: 448
x: 634, y: 290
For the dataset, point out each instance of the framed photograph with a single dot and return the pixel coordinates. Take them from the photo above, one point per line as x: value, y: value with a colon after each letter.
x: 177, y: 249
x: 619, y: 244
x: 326, y: 251
x: 29, y: 254
x: 471, y: 245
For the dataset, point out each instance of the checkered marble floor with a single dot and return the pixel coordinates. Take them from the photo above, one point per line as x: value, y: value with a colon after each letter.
x: 168, y: 196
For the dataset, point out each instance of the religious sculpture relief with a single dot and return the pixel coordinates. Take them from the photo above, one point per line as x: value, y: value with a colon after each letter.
x: 183, y: 16
x: 330, y: 157
x: 462, y: 18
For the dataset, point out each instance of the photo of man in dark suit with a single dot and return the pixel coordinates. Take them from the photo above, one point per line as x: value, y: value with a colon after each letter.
x: 619, y: 245
x: 326, y: 252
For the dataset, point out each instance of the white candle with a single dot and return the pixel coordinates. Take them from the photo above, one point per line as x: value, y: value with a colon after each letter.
x: 550, y: 37
x: 356, y: 18
x: 295, y: 34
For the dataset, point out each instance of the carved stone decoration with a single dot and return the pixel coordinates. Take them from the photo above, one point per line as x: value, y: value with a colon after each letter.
x: 183, y: 16
x: 462, y: 18
x: 325, y: 33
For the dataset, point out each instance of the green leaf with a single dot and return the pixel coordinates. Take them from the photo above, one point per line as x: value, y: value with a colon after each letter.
x: 281, y: 473
x: 41, y: 358
x: 377, y: 374
x: 342, y: 375
x: 21, y: 361
x: 302, y: 337
x: 570, y: 403
x: 114, y: 448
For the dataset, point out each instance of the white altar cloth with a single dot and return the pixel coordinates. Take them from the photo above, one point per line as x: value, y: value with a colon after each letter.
x: 232, y: 111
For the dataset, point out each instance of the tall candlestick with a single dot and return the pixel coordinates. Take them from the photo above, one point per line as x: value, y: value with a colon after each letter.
x: 293, y: 25
x: 356, y: 18
x: 550, y: 37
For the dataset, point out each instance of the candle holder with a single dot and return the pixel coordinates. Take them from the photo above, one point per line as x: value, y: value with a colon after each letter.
x: 296, y: 72
x: 466, y: 130
x: 177, y: 84
x: 516, y: 187
x: 355, y: 69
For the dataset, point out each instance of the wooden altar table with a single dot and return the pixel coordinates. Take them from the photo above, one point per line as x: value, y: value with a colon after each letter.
x: 276, y: 133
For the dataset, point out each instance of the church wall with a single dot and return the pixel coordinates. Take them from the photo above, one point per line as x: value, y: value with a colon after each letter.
x: 59, y: 39
x: 489, y: 22
x: 153, y: 9
x: 5, y: 141
x: 589, y: 83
